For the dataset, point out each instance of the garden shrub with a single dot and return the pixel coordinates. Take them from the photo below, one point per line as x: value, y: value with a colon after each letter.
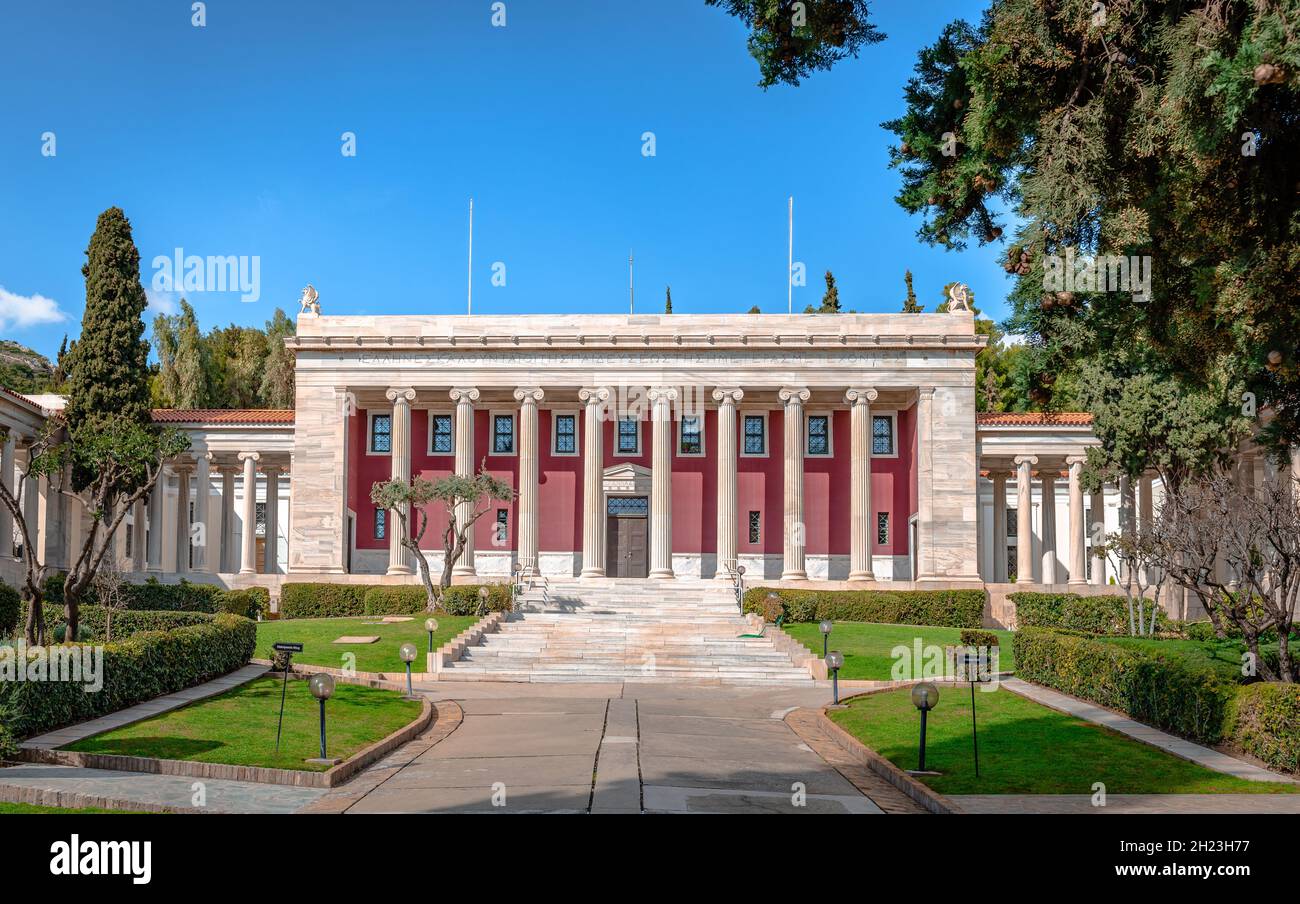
x: 136, y: 669
x: 403, y: 600
x: 973, y: 638
x: 463, y: 599
x: 11, y: 607
x: 249, y: 602
x: 320, y: 600
x: 1093, y: 614
x: 1266, y: 723
x: 93, y: 621
x: 947, y: 608
x: 1160, y: 691
x: 182, y: 597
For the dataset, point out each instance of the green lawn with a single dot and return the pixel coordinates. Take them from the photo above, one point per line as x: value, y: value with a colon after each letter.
x: 866, y: 645
x: 318, y: 634
x: 33, y: 808
x: 238, y: 727
x: 1025, y: 748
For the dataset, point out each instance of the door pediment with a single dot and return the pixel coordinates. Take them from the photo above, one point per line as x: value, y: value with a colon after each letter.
x: 626, y: 480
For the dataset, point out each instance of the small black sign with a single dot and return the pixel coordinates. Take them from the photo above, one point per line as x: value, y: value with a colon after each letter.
x: 285, y: 647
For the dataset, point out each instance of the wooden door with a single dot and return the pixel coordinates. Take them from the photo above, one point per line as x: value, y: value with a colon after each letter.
x: 626, y: 547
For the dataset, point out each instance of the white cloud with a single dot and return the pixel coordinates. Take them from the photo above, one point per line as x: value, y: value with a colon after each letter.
x: 21, y: 311
x: 1014, y: 339
x: 164, y: 303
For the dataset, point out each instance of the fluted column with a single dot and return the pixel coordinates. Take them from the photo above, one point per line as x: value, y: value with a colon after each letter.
x: 225, y: 548
x: 7, y: 478
x: 1078, y: 553
x: 271, y: 547
x: 726, y: 544
x: 526, y: 531
x: 999, y: 573
x: 182, y: 519
x: 661, y: 482
x: 465, y: 397
x: 153, y: 555
x: 137, y: 537
x: 1047, y: 479
x: 795, y: 532
x: 399, y: 470
x: 202, y: 490
x: 925, y: 482
x: 593, y: 481
x: 862, y: 520
x: 248, y: 533
x: 1024, y: 519
x: 1097, y: 529
x: 1127, y: 520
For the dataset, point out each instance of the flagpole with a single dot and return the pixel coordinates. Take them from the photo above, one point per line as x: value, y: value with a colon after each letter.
x: 631, y: 296
x: 469, y: 284
x: 789, y: 264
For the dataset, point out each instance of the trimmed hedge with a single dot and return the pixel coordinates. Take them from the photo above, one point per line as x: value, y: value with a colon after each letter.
x: 250, y: 602
x: 1093, y: 614
x: 139, y: 668
x: 94, y: 620
x: 1160, y: 691
x: 973, y: 638
x: 945, y: 608
x: 154, y: 596
x: 1266, y: 723
x: 319, y: 600
x: 11, y: 608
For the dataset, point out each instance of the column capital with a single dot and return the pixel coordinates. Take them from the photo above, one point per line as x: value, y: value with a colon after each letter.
x: 529, y: 395
x: 594, y: 395
x: 662, y: 394
x: 728, y: 396
x: 400, y: 395
x: 1026, y: 460
x: 1072, y: 460
x: 245, y: 456
x: 794, y: 395
x: 925, y: 392
x: 467, y: 394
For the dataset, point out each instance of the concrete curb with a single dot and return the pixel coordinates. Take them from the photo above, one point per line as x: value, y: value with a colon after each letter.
x: 70, y: 800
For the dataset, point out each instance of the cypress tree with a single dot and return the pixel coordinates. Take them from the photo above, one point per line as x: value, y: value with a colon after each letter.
x: 668, y: 300
x: 910, y: 305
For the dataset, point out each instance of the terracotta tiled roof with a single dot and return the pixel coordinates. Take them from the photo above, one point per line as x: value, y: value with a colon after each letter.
x: 223, y: 415
x: 1033, y: 419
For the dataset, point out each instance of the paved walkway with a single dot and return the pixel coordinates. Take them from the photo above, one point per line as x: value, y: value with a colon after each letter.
x: 148, y: 709
x: 1187, y: 750
x: 1129, y: 803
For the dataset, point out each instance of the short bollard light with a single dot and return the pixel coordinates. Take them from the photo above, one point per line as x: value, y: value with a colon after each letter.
x: 431, y: 625
x: 835, y: 662
x: 825, y: 626
x: 322, y: 688
x: 408, y: 652
x: 925, y: 696
x: 773, y: 603
x: 483, y: 598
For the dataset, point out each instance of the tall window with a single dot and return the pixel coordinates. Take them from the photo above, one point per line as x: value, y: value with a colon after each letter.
x: 882, y: 435
x: 755, y: 525
x: 381, y: 433
x: 755, y: 434
x: 628, y: 436
x: 819, y: 435
x: 503, y: 526
x: 381, y: 523
x: 503, y: 434
x: 692, y: 440
x: 441, y: 444
x: 882, y: 528
x: 566, y: 434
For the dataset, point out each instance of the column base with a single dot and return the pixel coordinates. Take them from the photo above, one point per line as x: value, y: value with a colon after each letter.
x: 799, y: 575
x: 592, y: 573
x: 248, y: 571
x: 464, y: 571
x: 1073, y: 583
x: 862, y: 576
x: 400, y: 570
x: 661, y: 574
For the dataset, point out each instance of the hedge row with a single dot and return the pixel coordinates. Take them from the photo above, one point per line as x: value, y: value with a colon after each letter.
x: 136, y: 669
x: 11, y: 608
x: 1266, y: 723
x: 949, y: 608
x: 1093, y: 614
x: 320, y: 600
x: 182, y: 597
x: 94, y: 621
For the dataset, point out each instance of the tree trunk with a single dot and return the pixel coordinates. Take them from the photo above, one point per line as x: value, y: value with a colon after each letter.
x: 34, y: 632
x: 430, y: 596
x: 1285, y: 666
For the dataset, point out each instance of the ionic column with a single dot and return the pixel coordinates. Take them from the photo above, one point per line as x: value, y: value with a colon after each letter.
x: 138, y: 562
x: 526, y: 529
x: 726, y: 545
x: 593, y: 481
x: 1024, y: 519
x: 925, y: 482
x: 248, y: 532
x: 1097, y: 502
x: 202, y: 490
x: 225, y: 548
x: 1078, y: 552
x: 999, y: 526
x: 661, y: 482
x: 153, y: 555
x: 1047, y: 478
x: 182, y: 519
x: 270, y: 550
x: 465, y: 397
x: 400, y: 470
x: 795, y: 531
x: 1127, y: 520
x: 7, y: 478
x: 862, y: 521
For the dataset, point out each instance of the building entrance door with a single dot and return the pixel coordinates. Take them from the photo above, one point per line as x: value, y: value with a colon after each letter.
x: 627, y: 537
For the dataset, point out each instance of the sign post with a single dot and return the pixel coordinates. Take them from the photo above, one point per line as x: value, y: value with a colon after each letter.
x: 288, y: 649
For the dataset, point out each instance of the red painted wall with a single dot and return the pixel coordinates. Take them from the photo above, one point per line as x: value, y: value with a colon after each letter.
x: 559, y: 491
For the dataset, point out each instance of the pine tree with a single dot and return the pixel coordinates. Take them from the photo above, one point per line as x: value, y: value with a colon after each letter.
x: 191, y: 362
x: 668, y: 300
x: 910, y: 305
x: 831, y: 299
x: 754, y: 310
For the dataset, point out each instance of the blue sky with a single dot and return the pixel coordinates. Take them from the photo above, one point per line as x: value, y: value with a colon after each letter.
x: 225, y: 140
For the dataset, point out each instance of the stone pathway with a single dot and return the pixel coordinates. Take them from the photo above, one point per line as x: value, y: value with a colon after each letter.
x: 148, y: 709
x: 1129, y: 803
x: 1184, y: 749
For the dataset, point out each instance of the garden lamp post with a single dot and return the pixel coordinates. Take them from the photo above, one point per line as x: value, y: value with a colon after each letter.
x: 773, y: 603
x: 322, y: 688
x: 483, y: 597
x: 825, y: 626
x: 925, y: 696
x: 408, y: 653
x: 835, y: 662
x: 431, y: 625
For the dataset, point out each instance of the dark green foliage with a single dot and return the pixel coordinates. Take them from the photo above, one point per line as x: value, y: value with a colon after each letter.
x: 228, y: 367
x: 312, y: 600
x: 395, y: 600
x: 185, y: 596
x: 974, y: 638
x: 943, y: 608
x: 463, y: 599
x: 1266, y: 723
x: 1091, y: 614
x: 11, y: 607
x: 789, y: 49
x: 668, y: 299
x: 249, y: 602
x: 136, y: 669
x: 830, y: 298
x: 94, y: 620
x: 338, y: 600
x: 910, y: 304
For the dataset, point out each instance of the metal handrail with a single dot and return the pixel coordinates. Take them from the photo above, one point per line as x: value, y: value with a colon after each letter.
x: 738, y: 585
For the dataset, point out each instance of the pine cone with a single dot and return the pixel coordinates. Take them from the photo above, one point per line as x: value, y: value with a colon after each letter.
x: 1269, y: 74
